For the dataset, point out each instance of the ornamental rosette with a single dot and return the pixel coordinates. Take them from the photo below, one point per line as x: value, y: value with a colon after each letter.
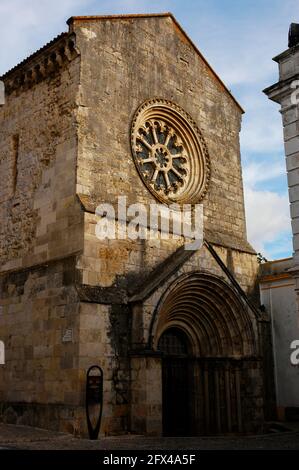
x: 170, y: 153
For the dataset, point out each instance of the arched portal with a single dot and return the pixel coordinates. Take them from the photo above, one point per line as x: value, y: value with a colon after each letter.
x: 210, y: 364
x: 176, y: 376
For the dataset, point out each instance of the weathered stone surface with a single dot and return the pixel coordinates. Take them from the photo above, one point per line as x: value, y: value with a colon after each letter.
x: 172, y: 70
x: 66, y: 295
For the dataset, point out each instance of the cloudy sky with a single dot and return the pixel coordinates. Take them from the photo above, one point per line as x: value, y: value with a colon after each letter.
x: 238, y: 38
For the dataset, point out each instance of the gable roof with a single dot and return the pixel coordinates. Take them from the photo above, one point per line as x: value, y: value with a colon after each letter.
x: 168, y: 267
x: 74, y: 19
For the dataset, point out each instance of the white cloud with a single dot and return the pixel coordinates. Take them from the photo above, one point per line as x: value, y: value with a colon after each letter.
x: 260, y: 172
x: 27, y: 26
x: 262, y: 131
x: 244, y: 63
x: 267, y: 212
x: 241, y: 45
x: 238, y: 45
x: 268, y: 218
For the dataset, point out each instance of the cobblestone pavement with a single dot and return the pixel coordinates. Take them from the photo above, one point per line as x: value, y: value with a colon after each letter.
x: 24, y: 437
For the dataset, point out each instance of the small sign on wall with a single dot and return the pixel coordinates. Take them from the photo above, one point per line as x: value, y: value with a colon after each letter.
x: 67, y: 335
x: 2, y: 353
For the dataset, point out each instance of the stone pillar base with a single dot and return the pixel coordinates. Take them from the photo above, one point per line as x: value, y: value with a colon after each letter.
x: 146, y: 406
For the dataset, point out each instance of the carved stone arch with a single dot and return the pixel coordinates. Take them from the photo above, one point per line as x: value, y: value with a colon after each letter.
x: 211, y: 314
x: 185, y: 328
x: 212, y: 388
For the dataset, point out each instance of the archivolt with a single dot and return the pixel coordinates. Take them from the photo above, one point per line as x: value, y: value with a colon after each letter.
x: 209, y: 311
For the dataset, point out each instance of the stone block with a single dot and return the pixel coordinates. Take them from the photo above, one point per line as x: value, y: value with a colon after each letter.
x: 293, y: 179
x: 292, y: 146
x: 294, y: 194
x: 292, y: 161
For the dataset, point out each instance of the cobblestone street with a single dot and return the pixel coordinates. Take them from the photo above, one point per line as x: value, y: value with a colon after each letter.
x: 24, y: 437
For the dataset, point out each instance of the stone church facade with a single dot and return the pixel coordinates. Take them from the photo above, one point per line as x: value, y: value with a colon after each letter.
x: 179, y: 335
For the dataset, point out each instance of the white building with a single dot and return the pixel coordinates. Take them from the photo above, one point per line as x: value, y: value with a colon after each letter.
x: 279, y: 282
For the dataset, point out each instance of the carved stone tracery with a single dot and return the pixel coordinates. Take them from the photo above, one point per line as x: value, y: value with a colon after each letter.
x: 169, y: 152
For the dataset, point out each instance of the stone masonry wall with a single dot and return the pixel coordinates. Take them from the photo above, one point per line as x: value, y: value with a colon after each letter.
x: 131, y: 71
x: 104, y: 340
x: 41, y: 216
x: 39, y: 324
x: 124, y: 262
x: 245, y: 272
x: 42, y: 221
x: 125, y: 62
x: 71, y: 133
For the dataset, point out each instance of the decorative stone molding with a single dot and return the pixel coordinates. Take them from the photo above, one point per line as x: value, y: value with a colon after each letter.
x: 231, y: 335
x: 170, y: 153
x: 47, y: 60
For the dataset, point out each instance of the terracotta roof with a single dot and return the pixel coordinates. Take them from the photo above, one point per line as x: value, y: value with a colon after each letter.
x: 73, y: 19
x: 116, y: 17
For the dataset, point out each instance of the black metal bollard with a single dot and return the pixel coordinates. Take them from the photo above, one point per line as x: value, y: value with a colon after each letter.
x: 94, y: 399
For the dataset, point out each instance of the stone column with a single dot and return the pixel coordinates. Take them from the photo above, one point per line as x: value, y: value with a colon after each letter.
x: 286, y: 93
x: 146, y: 394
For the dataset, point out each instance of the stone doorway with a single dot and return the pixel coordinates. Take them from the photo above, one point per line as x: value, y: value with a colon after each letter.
x: 176, y: 383
x: 211, y: 369
x: 200, y: 396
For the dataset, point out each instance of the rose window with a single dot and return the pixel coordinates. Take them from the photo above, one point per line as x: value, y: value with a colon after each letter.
x: 169, y: 152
